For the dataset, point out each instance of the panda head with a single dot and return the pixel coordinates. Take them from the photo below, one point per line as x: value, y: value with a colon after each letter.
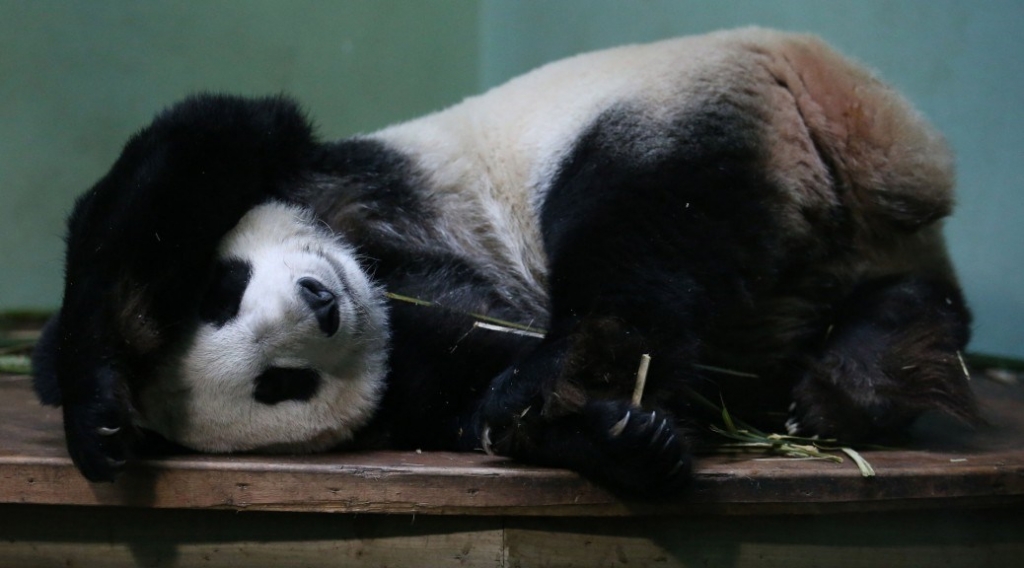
x: 290, y: 351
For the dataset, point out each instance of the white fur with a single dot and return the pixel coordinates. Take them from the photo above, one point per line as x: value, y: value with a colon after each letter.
x: 205, y: 400
x: 487, y: 165
x: 490, y: 159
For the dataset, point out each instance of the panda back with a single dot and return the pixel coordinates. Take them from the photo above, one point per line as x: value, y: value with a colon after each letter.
x: 832, y: 134
x: 488, y: 162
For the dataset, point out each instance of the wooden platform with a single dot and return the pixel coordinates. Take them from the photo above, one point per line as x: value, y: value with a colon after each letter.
x: 954, y: 497
x: 947, y: 466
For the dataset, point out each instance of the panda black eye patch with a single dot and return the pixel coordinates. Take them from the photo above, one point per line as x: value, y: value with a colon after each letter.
x: 227, y: 286
x: 278, y: 384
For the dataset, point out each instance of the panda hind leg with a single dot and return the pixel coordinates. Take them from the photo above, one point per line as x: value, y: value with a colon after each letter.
x: 892, y: 353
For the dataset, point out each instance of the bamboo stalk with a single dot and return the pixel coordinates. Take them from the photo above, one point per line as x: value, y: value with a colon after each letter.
x: 479, y: 317
x: 641, y: 379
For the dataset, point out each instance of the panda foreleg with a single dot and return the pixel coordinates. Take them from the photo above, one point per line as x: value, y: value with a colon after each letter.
x: 547, y: 411
x: 649, y: 233
x: 569, y: 403
x: 892, y: 353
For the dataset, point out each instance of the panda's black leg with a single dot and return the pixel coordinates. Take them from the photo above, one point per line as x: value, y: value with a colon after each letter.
x: 549, y: 410
x: 629, y: 449
x: 97, y: 423
x: 644, y: 248
x: 98, y: 427
x: 892, y: 353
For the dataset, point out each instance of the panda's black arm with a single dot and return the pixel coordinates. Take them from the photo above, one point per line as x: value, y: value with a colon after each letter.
x: 643, y: 255
x: 139, y: 246
x: 441, y: 361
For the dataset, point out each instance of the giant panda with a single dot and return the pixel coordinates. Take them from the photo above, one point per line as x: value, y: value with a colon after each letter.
x: 757, y: 214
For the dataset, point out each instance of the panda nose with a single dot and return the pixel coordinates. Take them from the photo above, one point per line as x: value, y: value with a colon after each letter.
x: 322, y: 302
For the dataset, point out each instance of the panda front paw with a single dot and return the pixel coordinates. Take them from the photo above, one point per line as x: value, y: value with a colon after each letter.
x: 98, y: 430
x: 642, y: 452
x: 630, y: 450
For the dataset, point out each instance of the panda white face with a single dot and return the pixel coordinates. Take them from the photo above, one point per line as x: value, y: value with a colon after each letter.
x: 291, y: 350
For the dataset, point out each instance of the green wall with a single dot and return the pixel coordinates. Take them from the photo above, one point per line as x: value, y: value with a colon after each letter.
x: 77, y: 78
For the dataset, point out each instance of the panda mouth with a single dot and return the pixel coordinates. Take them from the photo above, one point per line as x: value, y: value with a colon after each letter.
x: 278, y: 384
x: 322, y: 302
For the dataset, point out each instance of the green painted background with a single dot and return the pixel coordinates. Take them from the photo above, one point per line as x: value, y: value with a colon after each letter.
x: 76, y: 78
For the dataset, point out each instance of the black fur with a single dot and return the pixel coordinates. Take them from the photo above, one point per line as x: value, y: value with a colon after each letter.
x: 661, y: 239
x: 278, y: 384
x: 140, y: 253
x: 437, y: 358
x: 223, y: 298
x: 44, y: 374
x: 888, y: 357
x: 643, y: 253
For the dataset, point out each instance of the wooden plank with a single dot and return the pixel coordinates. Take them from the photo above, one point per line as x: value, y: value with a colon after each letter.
x: 120, y: 537
x: 957, y: 538
x: 32, y: 535
x: 948, y: 467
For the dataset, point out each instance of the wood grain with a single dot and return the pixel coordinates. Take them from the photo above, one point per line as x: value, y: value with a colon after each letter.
x: 119, y: 537
x: 113, y: 537
x: 946, y: 467
x: 967, y: 539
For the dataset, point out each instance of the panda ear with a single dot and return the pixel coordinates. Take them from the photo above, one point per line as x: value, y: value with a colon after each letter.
x: 44, y: 380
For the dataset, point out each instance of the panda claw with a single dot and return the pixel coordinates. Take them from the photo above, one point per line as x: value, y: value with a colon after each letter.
x: 657, y: 433
x: 616, y: 430
x: 669, y: 440
x: 485, y: 440
x: 679, y: 465
x: 105, y: 431
x: 792, y: 427
x: 114, y: 463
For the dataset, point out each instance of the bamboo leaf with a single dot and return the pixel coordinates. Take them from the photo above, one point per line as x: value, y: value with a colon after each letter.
x: 749, y: 439
x: 865, y: 468
x: 15, y: 365
x: 727, y: 419
x: 724, y: 371
x: 408, y: 299
x: 478, y: 317
x: 699, y: 399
